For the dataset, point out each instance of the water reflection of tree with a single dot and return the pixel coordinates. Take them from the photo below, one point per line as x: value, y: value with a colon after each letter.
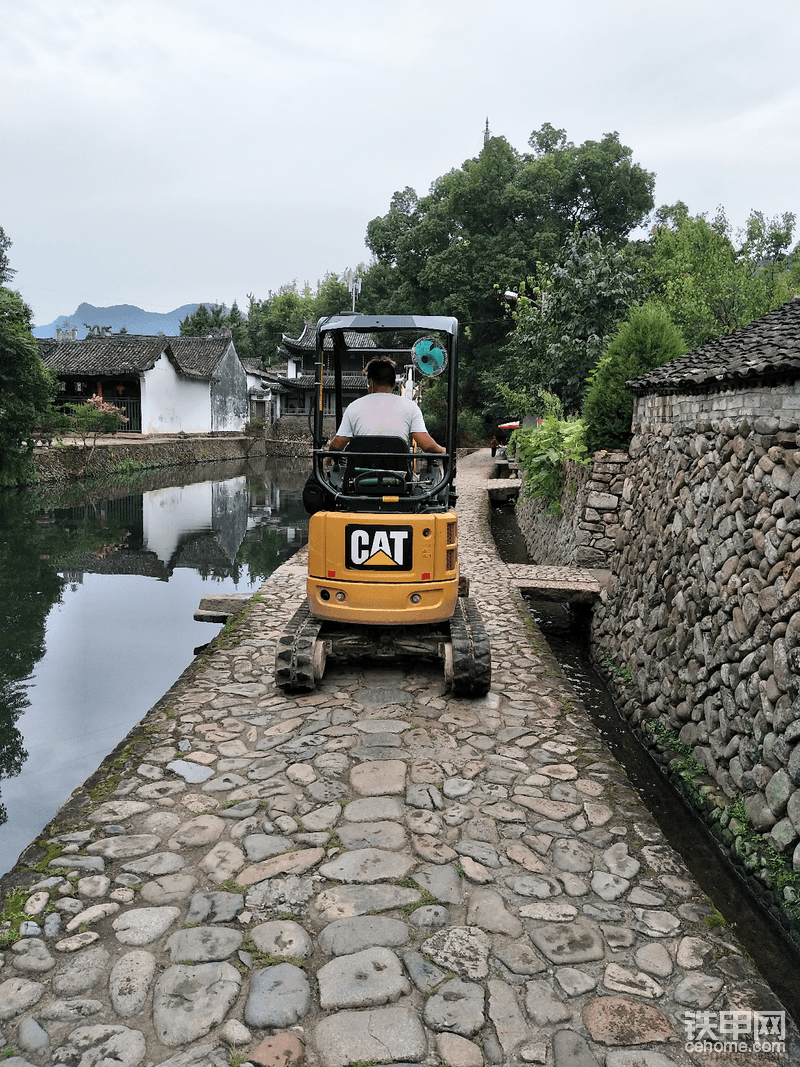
x: 29, y: 586
x: 34, y: 548
x: 266, y: 552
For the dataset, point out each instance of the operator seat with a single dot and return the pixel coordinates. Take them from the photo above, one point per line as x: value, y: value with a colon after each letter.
x: 387, y: 475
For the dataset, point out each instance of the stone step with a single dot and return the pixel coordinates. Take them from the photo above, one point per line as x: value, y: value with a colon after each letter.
x: 219, y: 607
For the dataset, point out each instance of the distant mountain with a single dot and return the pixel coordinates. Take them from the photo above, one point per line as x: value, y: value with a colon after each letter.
x: 134, y: 319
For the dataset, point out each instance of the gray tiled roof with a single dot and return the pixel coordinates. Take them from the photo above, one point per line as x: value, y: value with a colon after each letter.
x: 120, y: 354
x: 349, y: 381
x: 252, y: 364
x: 195, y: 357
x: 766, y: 350
x: 307, y: 341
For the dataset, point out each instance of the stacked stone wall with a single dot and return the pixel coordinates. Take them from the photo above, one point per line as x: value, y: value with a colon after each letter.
x: 597, y: 518
x: 551, y: 540
x: 702, y: 614
x: 114, y: 456
x: 298, y: 428
x: 585, y: 533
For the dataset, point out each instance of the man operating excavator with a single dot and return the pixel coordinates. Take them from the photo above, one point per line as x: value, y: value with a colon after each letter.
x: 382, y: 413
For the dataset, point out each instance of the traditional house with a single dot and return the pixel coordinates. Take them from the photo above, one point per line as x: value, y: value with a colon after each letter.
x: 262, y: 392
x: 300, y: 374
x: 292, y: 384
x: 163, y: 384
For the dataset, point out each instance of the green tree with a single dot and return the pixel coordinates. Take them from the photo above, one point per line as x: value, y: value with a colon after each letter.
x: 288, y: 311
x: 332, y: 297
x: 647, y: 339
x: 562, y: 323
x: 204, y: 320
x: 27, y: 389
x: 6, y: 272
x: 766, y: 247
x: 708, y: 285
x: 240, y: 331
x: 284, y: 312
x: 490, y: 225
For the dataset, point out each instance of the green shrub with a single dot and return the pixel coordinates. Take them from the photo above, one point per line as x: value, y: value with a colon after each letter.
x: 647, y: 339
x: 52, y: 423
x: 541, y: 450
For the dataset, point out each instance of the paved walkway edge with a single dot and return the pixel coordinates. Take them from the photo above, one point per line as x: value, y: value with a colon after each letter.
x: 374, y: 872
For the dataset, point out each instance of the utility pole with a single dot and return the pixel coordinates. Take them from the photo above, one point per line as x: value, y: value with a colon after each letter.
x: 353, y: 281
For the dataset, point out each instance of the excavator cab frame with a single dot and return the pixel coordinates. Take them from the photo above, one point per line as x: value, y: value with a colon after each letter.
x: 429, y: 482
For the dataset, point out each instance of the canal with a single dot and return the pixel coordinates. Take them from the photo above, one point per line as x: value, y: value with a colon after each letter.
x: 98, y: 586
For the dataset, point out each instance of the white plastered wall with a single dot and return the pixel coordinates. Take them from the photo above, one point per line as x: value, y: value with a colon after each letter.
x: 173, y: 404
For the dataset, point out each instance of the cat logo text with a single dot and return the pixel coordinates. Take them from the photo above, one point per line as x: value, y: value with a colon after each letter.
x: 378, y: 548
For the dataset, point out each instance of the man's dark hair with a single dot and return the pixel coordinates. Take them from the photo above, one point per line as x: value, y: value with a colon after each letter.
x: 382, y: 371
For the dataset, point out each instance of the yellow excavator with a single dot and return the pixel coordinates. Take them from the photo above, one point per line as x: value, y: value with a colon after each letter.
x: 383, y: 569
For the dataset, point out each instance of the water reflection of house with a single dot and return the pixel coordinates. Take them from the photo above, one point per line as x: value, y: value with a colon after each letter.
x: 200, y: 526
x: 171, y: 517
x: 163, y: 384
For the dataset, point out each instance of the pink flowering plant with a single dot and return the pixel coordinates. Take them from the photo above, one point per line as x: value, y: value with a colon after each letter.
x: 94, y: 418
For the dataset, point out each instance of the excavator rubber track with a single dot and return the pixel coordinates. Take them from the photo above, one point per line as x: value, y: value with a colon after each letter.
x: 297, y: 659
x: 307, y: 641
x: 471, y: 650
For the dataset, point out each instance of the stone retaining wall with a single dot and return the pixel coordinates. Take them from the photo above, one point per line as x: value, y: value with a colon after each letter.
x: 702, y: 618
x: 62, y: 463
x: 585, y: 533
x: 298, y: 428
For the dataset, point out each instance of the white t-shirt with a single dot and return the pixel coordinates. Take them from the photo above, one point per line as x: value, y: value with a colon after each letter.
x: 382, y: 415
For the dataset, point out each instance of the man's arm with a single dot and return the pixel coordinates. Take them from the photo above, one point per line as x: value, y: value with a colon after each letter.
x: 426, y: 442
x: 337, y: 443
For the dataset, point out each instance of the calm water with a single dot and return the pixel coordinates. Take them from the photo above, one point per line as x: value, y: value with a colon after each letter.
x: 97, y: 592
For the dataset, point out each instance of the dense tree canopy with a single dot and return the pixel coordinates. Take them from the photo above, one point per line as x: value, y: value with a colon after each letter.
x: 288, y: 310
x: 708, y: 284
x: 563, y: 325
x: 26, y: 388
x: 499, y: 220
x: 491, y: 223
x: 284, y: 312
x: 532, y: 252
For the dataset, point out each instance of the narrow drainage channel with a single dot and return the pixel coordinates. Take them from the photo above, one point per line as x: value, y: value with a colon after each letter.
x: 760, y: 934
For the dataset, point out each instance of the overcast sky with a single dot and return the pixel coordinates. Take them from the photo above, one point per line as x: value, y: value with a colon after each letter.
x: 162, y: 152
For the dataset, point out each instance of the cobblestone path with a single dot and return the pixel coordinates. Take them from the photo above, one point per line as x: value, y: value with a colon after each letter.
x: 373, y: 873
